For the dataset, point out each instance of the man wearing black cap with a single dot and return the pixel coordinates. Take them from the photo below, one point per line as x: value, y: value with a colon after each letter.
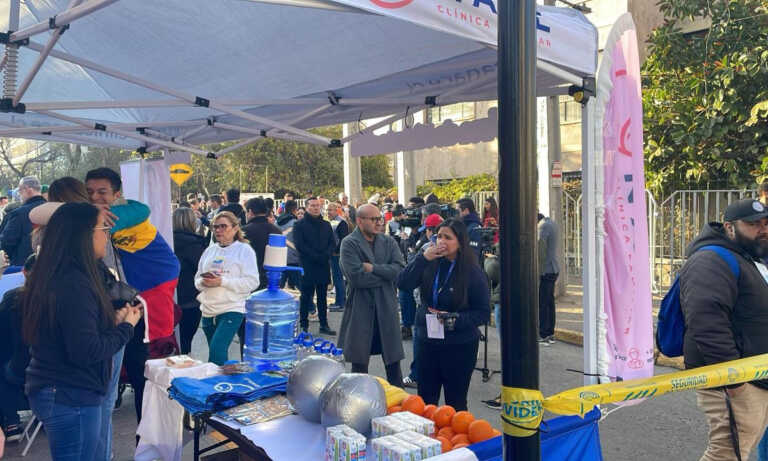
x: 724, y: 298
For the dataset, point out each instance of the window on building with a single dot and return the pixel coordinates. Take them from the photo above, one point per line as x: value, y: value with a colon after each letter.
x: 570, y: 110
x: 460, y: 112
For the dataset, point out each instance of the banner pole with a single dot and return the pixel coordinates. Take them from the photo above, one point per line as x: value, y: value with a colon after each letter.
x: 517, y: 206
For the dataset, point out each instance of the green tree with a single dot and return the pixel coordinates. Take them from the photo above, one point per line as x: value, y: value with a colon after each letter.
x: 458, y: 188
x: 698, y: 90
x: 375, y: 172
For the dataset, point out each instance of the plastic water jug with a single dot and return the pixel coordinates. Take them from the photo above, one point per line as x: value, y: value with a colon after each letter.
x: 271, y: 317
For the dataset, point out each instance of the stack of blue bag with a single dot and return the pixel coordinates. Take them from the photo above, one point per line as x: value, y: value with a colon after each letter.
x: 217, y: 393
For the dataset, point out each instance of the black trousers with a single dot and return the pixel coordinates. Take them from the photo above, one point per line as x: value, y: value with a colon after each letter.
x: 188, y: 325
x: 547, y: 305
x: 448, y: 367
x: 394, y: 375
x: 134, y: 358
x: 308, y: 291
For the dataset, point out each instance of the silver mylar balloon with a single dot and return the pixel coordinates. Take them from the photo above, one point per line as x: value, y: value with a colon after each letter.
x: 353, y: 399
x: 307, y: 381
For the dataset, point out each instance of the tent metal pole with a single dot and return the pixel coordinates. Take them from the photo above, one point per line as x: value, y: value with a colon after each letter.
x: 382, y: 123
x: 181, y: 95
x: 127, y: 134
x: 306, y: 116
x: 242, y: 143
x: 192, y: 132
x: 590, y: 264
x: 517, y: 192
x: 243, y: 129
x: 61, y: 19
x: 11, y: 59
x: 41, y: 58
x: 17, y: 132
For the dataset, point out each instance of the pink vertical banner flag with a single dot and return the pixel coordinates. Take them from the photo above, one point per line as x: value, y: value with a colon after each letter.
x: 627, y: 295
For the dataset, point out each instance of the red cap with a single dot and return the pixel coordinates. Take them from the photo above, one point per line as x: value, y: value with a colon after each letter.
x: 433, y: 220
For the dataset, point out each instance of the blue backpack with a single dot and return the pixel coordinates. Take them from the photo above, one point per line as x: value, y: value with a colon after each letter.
x: 671, y: 326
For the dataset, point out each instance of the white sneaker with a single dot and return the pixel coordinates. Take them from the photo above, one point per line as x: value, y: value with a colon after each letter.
x: 544, y: 342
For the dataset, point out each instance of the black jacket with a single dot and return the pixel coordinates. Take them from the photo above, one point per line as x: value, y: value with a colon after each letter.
x: 257, y: 232
x: 284, y: 219
x: 315, y: 244
x: 341, y: 231
x: 12, y: 345
x: 236, y: 209
x: 725, y: 318
x: 474, y: 310
x: 16, y: 239
x: 75, y: 355
x: 474, y: 224
x: 188, y: 247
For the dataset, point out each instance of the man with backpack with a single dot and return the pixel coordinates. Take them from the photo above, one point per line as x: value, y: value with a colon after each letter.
x: 724, y: 300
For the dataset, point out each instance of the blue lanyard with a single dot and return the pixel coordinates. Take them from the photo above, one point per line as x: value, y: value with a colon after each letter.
x: 435, y: 290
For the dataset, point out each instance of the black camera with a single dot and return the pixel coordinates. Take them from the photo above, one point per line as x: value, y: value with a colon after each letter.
x: 412, y: 218
x: 448, y: 211
x: 449, y: 320
x: 487, y: 235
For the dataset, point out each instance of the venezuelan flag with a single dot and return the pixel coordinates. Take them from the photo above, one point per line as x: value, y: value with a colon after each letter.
x: 151, y: 267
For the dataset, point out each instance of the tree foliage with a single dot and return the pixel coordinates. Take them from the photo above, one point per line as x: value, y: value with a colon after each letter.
x: 458, y: 188
x: 699, y: 89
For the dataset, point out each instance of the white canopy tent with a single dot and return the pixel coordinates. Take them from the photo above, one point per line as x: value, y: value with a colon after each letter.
x: 179, y: 74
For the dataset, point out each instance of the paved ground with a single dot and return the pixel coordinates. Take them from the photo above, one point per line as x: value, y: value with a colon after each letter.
x: 670, y: 427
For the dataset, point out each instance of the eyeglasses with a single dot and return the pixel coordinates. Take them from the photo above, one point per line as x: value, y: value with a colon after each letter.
x: 220, y: 226
x: 372, y: 218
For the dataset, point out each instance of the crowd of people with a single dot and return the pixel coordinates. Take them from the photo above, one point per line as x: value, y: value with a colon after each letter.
x: 397, y: 273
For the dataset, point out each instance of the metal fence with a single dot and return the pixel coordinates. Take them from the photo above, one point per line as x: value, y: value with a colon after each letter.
x: 672, y: 226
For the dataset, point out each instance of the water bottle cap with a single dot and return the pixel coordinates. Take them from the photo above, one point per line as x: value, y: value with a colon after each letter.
x: 326, y: 349
x: 307, y: 343
x: 339, y: 351
x: 277, y: 240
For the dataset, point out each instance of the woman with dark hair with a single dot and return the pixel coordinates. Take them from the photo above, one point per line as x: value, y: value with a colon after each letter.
x: 189, y: 247
x: 454, y: 303
x: 491, y: 216
x: 73, y: 331
x: 68, y: 190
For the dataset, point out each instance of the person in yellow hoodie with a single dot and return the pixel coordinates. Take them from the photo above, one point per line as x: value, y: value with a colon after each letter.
x: 226, y: 275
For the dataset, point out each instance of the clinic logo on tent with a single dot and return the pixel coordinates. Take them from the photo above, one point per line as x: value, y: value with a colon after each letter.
x: 391, y: 5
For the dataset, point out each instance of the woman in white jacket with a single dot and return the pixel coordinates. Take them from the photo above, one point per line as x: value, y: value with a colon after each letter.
x: 226, y: 275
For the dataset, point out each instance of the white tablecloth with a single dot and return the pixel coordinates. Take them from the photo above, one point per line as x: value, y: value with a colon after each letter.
x: 161, y: 428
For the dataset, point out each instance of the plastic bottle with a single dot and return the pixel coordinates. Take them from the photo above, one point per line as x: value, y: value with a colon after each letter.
x: 271, y: 317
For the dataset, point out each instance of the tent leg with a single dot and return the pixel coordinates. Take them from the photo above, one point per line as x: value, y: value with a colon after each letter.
x: 517, y: 192
x: 590, y: 264
x: 11, y: 59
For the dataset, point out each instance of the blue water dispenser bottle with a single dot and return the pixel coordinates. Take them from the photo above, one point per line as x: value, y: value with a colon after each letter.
x: 271, y: 314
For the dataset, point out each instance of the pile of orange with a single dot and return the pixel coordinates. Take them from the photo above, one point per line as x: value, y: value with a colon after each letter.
x: 454, y: 429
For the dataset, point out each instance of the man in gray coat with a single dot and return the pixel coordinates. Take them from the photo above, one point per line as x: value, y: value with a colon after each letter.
x: 371, y: 262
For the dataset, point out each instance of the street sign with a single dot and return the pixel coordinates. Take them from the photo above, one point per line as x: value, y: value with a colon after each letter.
x: 180, y: 172
x: 557, y: 174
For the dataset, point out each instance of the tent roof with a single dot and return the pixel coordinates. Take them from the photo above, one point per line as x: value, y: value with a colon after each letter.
x: 260, y: 65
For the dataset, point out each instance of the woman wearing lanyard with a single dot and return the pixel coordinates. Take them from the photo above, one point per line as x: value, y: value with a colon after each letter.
x: 454, y: 303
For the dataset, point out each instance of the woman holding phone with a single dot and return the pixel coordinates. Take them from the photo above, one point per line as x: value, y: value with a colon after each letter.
x: 226, y: 275
x: 454, y: 303
x: 73, y: 331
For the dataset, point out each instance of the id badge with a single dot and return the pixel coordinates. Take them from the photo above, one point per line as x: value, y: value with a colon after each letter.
x: 435, y: 329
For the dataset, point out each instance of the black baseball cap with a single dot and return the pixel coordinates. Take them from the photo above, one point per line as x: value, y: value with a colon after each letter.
x: 746, y: 210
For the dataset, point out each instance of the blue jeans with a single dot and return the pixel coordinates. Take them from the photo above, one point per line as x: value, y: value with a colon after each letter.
x: 219, y: 331
x: 407, y: 306
x: 338, y: 281
x: 762, y: 448
x: 73, y: 432
x: 104, y: 449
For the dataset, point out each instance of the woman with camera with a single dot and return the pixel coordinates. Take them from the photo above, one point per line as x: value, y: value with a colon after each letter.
x: 226, y: 275
x: 73, y: 330
x: 454, y: 303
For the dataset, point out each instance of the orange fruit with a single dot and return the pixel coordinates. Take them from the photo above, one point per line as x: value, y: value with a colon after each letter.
x: 446, y: 432
x: 414, y: 404
x: 496, y: 433
x: 447, y: 445
x: 429, y: 411
x: 460, y: 445
x: 394, y: 409
x: 443, y: 415
x: 460, y: 422
x: 479, y: 430
x: 459, y: 438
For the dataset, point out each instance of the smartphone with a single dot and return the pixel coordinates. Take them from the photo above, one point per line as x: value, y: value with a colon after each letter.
x: 433, y: 239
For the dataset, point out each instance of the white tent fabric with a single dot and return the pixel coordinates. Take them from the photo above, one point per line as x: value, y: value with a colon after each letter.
x: 265, y: 68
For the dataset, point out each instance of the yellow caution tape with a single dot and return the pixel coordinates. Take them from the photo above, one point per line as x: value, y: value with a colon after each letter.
x: 522, y: 408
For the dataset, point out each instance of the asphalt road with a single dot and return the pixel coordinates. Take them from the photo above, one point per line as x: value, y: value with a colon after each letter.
x: 666, y: 428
